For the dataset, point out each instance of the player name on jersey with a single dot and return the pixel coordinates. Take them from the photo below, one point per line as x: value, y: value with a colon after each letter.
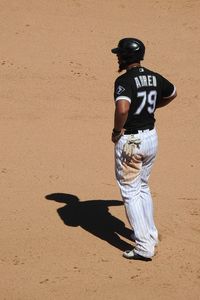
x: 145, y: 80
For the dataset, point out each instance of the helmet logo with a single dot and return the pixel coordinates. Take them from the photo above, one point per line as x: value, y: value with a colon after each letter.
x: 136, y: 46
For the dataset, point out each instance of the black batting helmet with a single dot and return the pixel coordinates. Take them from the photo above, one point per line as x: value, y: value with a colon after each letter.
x: 130, y: 50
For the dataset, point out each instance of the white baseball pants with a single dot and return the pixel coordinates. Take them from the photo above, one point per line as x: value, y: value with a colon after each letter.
x: 132, y: 178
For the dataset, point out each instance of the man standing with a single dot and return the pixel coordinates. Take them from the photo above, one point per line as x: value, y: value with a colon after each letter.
x: 137, y: 93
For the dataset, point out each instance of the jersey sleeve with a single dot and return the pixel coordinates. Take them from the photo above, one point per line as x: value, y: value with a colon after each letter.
x: 168, y: 89
x: 122, y: 90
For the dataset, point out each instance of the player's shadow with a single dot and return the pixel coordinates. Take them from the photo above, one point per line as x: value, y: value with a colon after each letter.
x: 94, y: 217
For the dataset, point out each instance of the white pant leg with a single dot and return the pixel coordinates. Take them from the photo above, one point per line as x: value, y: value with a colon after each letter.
x: 148, y: 212
x: 145, y: 191
x: 132, y: 181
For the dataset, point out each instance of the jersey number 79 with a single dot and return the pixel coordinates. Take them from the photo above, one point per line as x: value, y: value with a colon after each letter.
x: 148, y: 101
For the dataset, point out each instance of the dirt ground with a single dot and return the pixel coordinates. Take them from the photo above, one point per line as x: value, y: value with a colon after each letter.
x: 63, y: 225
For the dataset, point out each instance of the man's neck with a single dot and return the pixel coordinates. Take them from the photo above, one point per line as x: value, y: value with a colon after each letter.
x: 134, y: 65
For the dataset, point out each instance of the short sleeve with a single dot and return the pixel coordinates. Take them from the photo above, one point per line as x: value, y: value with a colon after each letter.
x: 168, y: 89
x: 122, y: 90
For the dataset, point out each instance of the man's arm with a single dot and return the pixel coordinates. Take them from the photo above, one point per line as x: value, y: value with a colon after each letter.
x: 165, y: 101
x: 120, y: 117
x: 121, y: 114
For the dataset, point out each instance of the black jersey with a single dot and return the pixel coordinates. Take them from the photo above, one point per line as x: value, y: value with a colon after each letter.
x: 144, y: 89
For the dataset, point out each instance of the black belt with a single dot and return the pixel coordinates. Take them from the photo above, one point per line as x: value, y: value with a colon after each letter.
x: 134, y: 131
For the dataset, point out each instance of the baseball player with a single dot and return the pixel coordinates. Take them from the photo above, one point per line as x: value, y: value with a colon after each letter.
x: 137, y: 93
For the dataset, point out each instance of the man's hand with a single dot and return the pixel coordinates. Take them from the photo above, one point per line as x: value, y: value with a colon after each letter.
x: 116, y: 135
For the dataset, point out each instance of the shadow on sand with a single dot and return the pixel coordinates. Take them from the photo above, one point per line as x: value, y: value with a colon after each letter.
x: 94, y: 217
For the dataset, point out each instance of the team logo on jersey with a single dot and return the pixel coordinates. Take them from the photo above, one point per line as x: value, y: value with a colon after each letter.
x: 120, y: 89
